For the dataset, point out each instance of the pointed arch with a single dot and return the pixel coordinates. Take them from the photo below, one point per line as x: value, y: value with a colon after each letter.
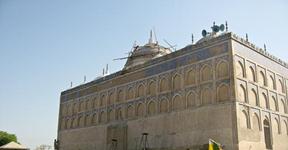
x: 87, y: 120
x: 151, y: 108
x: 75, y: 108
x: 94, y: 119
x: 152, y: 88
x: 111, y: 115
x: 120, y: 96
x: 130, y: 93
x: 282, y: 107
x: 82, y: 105
x: 111, y: 98
x: 275, y: 126
x: 274, y: 104
x: 81, y: 121
x: 141, y: 90
x: 253, y: 97
x: 191, y: 99
x: 244, y: 120
x: 271, y: 82
x: 176, y: 80
x: 191, y: 77
x: 163, y: 84
x: 130, y: 111
x: 206, y: 96
x: 119, y: 114
x: 240, y: 69
x: 264, y: 103
x: 206, y: 73
x: 242, y: 93
x: 177, y: 102
x: 222, y: 69
x: 222, y: 93
x: 102, y: 117
x: 75, y: 122
x: 102, y: 100
x: 163, y: 105
x: 251, y: 74
x: 261, y: 78
x: 140, y: 111
x: 255, y: 122
x: 68, y: 124
x: 280, y: 86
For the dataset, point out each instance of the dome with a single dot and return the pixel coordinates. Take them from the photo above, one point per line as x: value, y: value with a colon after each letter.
x: 142, y: 54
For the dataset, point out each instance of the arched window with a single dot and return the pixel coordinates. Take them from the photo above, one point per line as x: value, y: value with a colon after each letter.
x: 178, y: 103
x: 253, y: 98
x: 151, y: 108
x: 176, y: 82
x: 206, y: 73
x: 261, y: 78
x: 191, y: 99
x: 267, y: 134
x: 163, y: 85
x: 239, y: 69
x: 191, y: 77
x: 222, y: 93
x: 251, y: 74
x: 244, y: 120
x: 206, y: 96
x: 141, y: 90
x: 255, y: 121
x: 222, y: 69
x: 140, y: 111
x: 163, y: 106
x: 152, y: 88
x: 242, y: 93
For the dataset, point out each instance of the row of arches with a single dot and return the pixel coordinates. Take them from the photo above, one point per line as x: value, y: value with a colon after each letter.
x: 263, y: 77
x: 269, y: 126
x: 205, y: 96
x: 254, y: 98
x: 151, y: 107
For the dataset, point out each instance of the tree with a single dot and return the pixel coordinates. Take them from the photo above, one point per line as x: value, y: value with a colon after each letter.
x: 7, y: 138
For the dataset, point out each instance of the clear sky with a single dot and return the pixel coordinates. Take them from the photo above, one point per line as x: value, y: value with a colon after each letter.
x: 46, y: 44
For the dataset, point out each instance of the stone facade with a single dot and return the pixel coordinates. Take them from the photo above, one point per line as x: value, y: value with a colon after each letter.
x: 225, y: 89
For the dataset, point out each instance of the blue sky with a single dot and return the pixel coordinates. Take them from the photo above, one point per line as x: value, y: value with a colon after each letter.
x: 44, y: 45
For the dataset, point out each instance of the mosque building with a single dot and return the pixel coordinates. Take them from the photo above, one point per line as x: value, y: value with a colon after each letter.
x: 222, y: 87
